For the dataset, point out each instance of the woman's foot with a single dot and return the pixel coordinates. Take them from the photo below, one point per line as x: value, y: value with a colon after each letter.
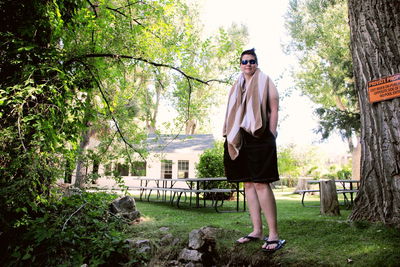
x: 248, y: 238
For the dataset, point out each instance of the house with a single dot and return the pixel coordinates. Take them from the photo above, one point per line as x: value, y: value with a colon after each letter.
x: 170, y: 156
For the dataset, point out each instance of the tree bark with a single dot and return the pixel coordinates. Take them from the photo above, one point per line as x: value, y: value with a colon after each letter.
x: 375, y: 44
x: 328, y: 198
x: 356, y: 161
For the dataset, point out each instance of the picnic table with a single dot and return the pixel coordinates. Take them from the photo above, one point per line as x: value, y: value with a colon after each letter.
x: 174, y: 189
x: 346, y: 187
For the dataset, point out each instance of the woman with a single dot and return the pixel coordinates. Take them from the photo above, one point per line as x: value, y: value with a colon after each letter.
x: 250, y: 148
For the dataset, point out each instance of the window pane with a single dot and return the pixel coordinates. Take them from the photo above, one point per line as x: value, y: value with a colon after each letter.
x: 183, y: 168
x: 107, y: 169
x: 166, y: 169
x: 122, y: 169
x: 138, y: 168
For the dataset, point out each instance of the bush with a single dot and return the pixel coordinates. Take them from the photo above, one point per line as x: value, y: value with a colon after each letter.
x: 211, y: 165
x: 71, y: 232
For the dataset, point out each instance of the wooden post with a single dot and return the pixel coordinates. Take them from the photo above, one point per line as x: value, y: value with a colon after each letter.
x: 329, y: 198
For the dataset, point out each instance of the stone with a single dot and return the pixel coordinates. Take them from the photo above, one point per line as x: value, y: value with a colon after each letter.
x: 125, y: 207
x: 142, y: 246
x: 196, y: 239
x: 190, y: 255
x: 169, y: 240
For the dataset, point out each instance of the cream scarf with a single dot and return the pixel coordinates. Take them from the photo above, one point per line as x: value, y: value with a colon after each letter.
x: 247, y: 109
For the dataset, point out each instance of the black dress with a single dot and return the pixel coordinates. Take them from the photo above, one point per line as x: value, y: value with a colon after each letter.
x: 257, y: 159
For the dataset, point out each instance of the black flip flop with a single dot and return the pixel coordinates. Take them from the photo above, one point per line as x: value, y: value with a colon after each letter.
x: 279, y: 245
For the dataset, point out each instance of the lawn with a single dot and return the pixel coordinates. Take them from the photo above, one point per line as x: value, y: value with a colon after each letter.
x: 312, y: 239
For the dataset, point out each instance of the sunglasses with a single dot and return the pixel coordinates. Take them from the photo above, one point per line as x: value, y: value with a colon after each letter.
x: 251, y: 61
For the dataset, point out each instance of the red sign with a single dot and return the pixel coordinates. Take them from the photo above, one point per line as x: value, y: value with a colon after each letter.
x: 384, y: 88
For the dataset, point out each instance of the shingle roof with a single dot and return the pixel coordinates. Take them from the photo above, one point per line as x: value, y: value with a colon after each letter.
x: 179, y: 143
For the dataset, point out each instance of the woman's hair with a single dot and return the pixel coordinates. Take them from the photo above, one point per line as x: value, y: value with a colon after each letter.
x: 249, y: 52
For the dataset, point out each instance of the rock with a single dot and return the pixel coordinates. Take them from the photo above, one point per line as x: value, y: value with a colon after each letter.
x: 169, y: 240
x: 125, y: 207
x: 142, y: 246
x: 190, y: 255
x: 164, y: 229
x: 196, y: 239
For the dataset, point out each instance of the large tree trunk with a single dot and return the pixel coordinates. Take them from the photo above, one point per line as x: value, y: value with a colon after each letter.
x: 375, y: 44
x: 356, y: 161
x: 81, y: 168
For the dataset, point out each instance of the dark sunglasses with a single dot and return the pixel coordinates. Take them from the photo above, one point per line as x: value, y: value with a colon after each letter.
x: 251, y: 61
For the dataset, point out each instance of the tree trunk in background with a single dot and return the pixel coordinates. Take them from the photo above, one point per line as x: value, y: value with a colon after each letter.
x: 375, y: 44
x: 191, y: 126
x: 80, y: 175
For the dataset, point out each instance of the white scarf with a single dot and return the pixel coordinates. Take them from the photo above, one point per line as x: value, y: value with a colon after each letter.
x: 248, y: 110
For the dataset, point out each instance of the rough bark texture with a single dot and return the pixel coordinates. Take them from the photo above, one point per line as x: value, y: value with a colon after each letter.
x: 356, y: 159
x: 375, y: 44
x: 329, y: 198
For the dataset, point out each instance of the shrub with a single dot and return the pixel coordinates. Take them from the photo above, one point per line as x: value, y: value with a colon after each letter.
x: 70, y: 232
x: 211, y: 165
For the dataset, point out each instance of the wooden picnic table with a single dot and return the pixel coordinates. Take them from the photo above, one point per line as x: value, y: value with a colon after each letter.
x: 176, y: 187
x: 346, y: 187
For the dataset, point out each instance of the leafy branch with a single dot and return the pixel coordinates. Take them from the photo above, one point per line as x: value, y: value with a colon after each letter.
x: 156, y: 64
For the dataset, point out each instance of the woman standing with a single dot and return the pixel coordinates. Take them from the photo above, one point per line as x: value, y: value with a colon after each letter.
x: 250, y: 148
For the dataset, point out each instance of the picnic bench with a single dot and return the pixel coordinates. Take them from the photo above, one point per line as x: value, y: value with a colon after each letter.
x: 174, y: 189
x: 346, y: 187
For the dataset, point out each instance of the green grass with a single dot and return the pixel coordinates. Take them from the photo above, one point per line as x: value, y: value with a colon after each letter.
x: 312, y: 239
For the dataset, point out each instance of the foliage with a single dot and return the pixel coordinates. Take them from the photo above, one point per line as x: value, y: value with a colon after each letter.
x: 73, y: 69
x: 43, y: 104
x: 211, y: 164
x: 320, y: 40
x: 71, y: 231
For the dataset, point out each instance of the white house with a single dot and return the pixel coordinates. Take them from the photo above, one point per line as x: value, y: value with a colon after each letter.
x: 170, y: 156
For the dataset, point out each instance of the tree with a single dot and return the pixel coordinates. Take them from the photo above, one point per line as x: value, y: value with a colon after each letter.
x: 320, y: 40
x: 375, y: 27
x: 211, y: 164
x: 64, y: 70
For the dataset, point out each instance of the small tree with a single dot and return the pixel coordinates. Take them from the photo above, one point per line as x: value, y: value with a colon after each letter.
x: 289, y: 165
x: 211, y: 164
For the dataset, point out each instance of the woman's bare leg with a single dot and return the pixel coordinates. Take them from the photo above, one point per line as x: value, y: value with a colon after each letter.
x: 254, y: 210
x: 267, y: 203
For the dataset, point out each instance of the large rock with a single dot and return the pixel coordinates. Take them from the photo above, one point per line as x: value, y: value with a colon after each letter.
x: 125, y: 207
x: 201, y: 247
x: 190, y: 255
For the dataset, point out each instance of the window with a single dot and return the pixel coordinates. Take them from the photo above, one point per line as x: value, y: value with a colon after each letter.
x: 96, y: 165
x: 138, y: 168
x: 107, y: 169
x: 95, y: 171
x: 166, y: 169
x: 183, y: 169
x: 122, y: 169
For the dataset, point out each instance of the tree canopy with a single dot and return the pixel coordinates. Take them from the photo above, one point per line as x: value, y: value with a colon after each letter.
x: 320, y: 39
x: 73, y: 69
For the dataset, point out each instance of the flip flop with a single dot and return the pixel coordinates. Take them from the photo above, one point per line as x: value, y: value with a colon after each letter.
x: 279, y: 245
x: 249, y: 238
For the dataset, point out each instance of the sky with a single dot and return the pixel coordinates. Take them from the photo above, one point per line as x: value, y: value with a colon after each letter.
x: 265, y: 22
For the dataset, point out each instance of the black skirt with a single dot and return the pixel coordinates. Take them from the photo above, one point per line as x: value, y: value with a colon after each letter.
x: 257, y: 161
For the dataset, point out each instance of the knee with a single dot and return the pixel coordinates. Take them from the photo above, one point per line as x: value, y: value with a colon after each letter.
x: 261, y: 186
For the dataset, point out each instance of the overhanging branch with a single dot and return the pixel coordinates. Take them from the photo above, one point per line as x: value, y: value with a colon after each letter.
x: 156, y: 64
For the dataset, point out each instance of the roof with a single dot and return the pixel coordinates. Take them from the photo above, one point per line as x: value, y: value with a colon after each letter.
x: 179, y: 143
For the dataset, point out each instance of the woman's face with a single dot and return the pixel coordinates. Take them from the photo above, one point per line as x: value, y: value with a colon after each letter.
x: 249, y: 68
